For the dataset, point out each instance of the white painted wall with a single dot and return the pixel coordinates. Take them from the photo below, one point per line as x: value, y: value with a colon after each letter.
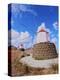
x: 42, y: 37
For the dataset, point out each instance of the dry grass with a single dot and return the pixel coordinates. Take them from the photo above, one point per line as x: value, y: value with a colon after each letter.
x: 55, y: 68
x: 18, y: 69
x: 43, y: 71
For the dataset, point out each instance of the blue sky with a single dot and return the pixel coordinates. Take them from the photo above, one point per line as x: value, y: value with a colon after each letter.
x: 25, y: 18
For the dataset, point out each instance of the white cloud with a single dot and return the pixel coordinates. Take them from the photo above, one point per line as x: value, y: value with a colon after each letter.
x: 12, y: 37
x: 15, y: 38
x: 12, y: 33
x: 22, y: 8
x: 41, y: 26
x: 54, y: 40
x: 55, y: 25
x: 52, y: 35
x: 24, y: 35
x: 44, y: 27
x: 25, y: 8
x: 34, y: 40
x: 12, y: 22
x: 26, y: 39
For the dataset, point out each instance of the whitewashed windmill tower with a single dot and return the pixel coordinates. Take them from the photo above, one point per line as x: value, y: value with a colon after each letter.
x: 42, y: 34
x: 44, y: 49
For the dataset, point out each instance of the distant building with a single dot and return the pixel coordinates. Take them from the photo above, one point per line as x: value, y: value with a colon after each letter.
x: 21, y: 47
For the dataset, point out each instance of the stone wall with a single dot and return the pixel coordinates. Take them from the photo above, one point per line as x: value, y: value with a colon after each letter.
x: 44, y: 50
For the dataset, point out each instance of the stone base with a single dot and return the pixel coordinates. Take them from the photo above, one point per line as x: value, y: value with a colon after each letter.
x: 44, y: 50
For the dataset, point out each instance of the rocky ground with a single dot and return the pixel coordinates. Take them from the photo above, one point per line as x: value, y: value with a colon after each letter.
x: 21, y: 69
x: 30, y: 61
x: 23, y: 64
